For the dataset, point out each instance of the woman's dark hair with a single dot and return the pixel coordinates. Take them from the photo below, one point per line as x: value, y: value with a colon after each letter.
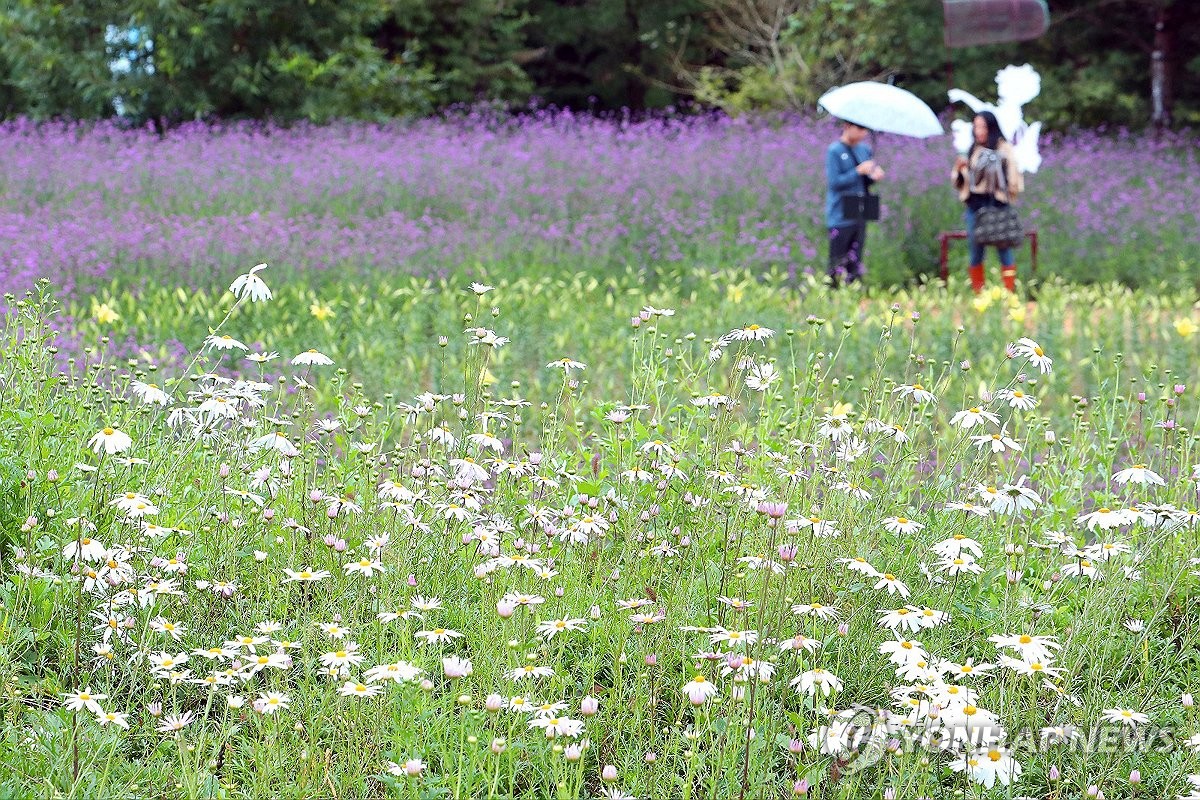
x: 994, y: 136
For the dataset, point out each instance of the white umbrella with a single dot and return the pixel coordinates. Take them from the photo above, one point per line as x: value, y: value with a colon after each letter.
x: 882, y: 107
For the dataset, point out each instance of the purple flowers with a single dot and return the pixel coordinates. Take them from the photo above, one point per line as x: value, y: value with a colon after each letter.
x: 84, y: 206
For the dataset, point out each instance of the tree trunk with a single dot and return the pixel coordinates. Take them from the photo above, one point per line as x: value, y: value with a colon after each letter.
x: 1161, y: 89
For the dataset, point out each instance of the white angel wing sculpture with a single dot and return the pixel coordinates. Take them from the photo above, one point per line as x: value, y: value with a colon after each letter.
x: 1015, y: 87
x: 1026, y: 148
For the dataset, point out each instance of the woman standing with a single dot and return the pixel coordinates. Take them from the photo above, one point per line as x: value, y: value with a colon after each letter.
x: 988, y: 175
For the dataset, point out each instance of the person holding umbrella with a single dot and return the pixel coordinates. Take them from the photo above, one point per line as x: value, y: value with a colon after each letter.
x: 849, y: 172
x: 850, y: 168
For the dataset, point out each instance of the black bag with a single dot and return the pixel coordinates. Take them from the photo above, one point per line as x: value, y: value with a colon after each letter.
x: 999, y: 224
x: 862, y: 207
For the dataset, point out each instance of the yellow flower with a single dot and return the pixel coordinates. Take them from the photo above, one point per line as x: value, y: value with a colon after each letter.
x: 1017, y: 314
x: 321, y: 312
x: 104, y: 313
x: 1185, y: 327
x: 841, y: 409
x: 735, y: 293
x: 982, y: 302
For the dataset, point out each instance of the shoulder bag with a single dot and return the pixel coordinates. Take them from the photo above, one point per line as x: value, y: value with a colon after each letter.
x: 861, y: 207
x: 999, y: 225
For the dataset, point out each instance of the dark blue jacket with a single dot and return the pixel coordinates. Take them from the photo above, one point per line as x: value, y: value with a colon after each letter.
x: 841, y: 179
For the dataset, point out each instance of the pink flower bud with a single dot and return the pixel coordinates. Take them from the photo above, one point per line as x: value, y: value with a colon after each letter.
x: 412, y: 580
x: 651, y: 659
x: 1135, y: 777
x: 796, y: 747
x: 268, y: 514
x: 493, y: 703
x: 801, y: 788
x: 1053, y: 772
x: 609, y: 773
x: 589, y: 706
x: 505, y: 609
x: 843, y: 629
x: 223, y: 471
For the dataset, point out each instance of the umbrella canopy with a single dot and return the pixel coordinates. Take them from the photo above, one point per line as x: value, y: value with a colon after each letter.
x: 882, y: 107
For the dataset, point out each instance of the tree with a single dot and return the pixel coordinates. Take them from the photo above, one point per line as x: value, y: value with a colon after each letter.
x: 606, y: 54
x: 171, y: 60
x: 476, y: 48
x: 784, y: 53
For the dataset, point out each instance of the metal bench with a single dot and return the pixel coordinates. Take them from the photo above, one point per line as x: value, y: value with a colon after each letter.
x: 945, y: 237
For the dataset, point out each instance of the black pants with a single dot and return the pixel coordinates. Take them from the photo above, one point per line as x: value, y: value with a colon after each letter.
x: 846, y: 245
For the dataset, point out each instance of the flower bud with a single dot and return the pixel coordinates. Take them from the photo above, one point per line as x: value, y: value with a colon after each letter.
x: 608, y: 774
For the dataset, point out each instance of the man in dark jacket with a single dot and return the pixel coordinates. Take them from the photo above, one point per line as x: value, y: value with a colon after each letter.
x: 849, y: 171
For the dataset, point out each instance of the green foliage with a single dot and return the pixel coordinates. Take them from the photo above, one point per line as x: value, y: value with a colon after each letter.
x: 472, y: 47
x: 284, y: 60
x: 822, y: 43
x: 1094, y: 61
x: 376, y: 59
x: 611, y: 53
x: 687, y: 540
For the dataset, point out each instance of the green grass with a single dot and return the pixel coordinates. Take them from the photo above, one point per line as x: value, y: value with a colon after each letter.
x: 679, y: 523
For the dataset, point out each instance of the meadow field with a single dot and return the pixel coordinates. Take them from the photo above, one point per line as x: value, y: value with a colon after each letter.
x: 536, y: 462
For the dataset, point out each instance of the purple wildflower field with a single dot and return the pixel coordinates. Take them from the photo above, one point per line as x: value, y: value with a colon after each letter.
x: 88, y: 205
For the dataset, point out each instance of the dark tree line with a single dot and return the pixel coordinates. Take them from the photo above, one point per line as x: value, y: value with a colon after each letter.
x: 1122, y: 62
